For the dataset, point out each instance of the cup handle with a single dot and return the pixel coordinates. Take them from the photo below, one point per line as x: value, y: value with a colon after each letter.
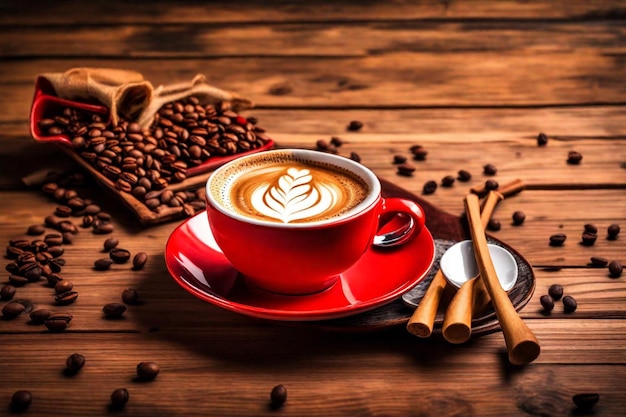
x: 409, y: 229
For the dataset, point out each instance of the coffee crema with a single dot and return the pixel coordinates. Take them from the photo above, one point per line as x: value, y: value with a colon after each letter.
x: 288, y: 190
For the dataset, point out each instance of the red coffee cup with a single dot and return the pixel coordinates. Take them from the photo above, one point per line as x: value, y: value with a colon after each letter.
x: 302, y: 257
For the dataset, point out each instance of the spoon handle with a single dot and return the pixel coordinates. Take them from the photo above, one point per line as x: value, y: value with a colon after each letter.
x: 457, y: 323
x: 522, y: 345
x: 423, y: 319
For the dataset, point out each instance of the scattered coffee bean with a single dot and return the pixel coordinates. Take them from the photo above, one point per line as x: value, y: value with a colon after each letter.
x: 130, y: 296
x: 399, y: 159
x: 557, y: 239
x: 103, y: 264
x: 278, y: 396
x: 147, y: 371
x: 321, y: 145
x: 40, y: 315
x: 586, y: 401
x: 590, y: 228
x: 494, y: 225
x: 490, y: 169
x: 7, y: 292
x: 588, y: 239
x: 74, y: 363
x: 555, y: 291
x: 139, y: 260
x: 569, y: 304
x: 110, y: 243
x: 615, y: 269
x: 21, y: 400
x: 406, y: 169
x: 54, y: 279
x: 613, y: 231
x: 58, y: 322
x: 598, y: 261
x: 103, y: 228
x: 13, y: 309
x: 119, y: 256
x: 119, y: 398
x: 63, y: 286
x: 35, y: 230
x: 574, y: 158
x: 355, y: 157
x: 335, y: 141
x: 447, y: 181
x: 113, y: 310
x: 419, y: 154
x: 464, y: 175
x: 518, y: 218
x: 429, y: 187
x: 66, y: 298
x: 546, y: 302
x: 491, y: 185
x: 355, y: 125
x: 542, y: 139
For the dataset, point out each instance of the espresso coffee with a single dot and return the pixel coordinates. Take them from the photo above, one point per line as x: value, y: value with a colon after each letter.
x: 285, y: 189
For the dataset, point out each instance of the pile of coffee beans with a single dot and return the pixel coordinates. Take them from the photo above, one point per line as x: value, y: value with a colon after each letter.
x: 144, y: 162
x: 555, y: 293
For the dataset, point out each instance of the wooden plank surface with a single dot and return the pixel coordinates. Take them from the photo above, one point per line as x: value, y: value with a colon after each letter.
x: 473, y: 82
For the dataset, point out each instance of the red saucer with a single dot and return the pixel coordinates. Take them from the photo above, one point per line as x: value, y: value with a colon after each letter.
x: 196, y: 262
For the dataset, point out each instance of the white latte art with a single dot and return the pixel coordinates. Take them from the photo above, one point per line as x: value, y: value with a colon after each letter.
x: 295, y: 196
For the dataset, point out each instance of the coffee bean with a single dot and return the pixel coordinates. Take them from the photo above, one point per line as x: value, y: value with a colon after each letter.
x: 590, y: 228
x: 586, y: 401
x: 336, y: 141
x: 110, y: 243
x: 147, y: 371
x: 13, y: 309
x: 21, y: 400
x: 569, y: 304
x: 35, y: 230
x: 574, y: 158
x: 491, y: 185
x: 463, y: 175
x: 53, y: 279
x: 429, y: 187
x: 57, y: 322
x: 613, y: 231
x: 355, y: 157
x: 102, y: 264
x: 588, y: 239
x: 542, y: 139
x: 66, y: 298
x: 17, y: 280
x: 130, y: 296
x: 7, y: 292
x: 494, y: 225
x: 447, y: 181
x: 598, y: 261
x: 56, y: 251
x: 355, y: 125
x: 557, y: 239
x: 74, y: 363
x: 405, y: 170
x: 139, y: 261
x: 615, y: 269
x: 119, y: 256
x: 113, y: 310
x: 556, y: 291
x: 399, y: 159
x: 546, y: 302
x: 63, y: 211
x: 40, y: 315
x: 420, y: 154
x: 119, y: 398
x: 490, y: 169
x: 278, y: 396
x: 518, y: 218
x: 103, y: 228
x: 63, y: 286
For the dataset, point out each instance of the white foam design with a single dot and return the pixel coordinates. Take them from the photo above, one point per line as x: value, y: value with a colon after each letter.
x: 295, y: 196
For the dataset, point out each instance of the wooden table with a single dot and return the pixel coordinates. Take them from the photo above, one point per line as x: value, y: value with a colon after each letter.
x: 473, y: 82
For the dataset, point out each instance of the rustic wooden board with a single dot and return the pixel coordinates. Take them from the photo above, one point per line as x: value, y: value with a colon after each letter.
x: 115, y: 12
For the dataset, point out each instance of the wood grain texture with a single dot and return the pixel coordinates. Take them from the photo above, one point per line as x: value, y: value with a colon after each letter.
x: 472, y: 82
